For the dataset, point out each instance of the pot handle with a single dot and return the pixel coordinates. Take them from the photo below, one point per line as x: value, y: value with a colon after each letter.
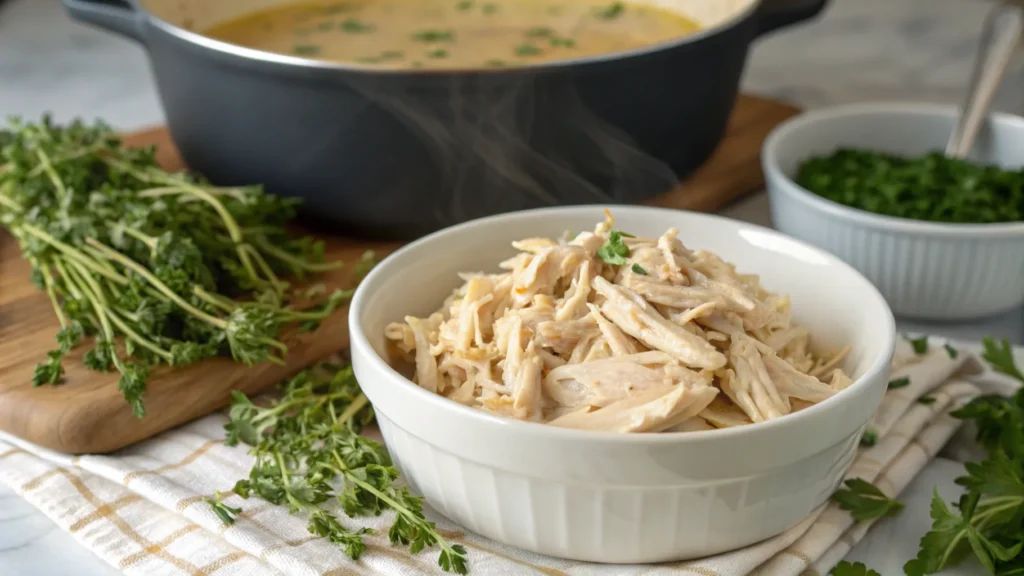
x: 775, y: 14
x: 117, y: 16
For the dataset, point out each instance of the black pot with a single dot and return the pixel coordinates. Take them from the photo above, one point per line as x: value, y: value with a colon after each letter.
x: 401, y: 153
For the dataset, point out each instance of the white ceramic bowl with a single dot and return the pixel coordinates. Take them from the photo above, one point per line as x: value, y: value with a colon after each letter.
x: 606, y: 497
x: 925, y: 270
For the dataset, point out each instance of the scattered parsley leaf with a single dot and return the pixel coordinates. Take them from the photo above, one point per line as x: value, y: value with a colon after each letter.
x: 869, y: 438
x: 224, y: 512
x: 539, y: 32
x: 464, y: 5
x: 1000, y: 356
x: 433, y: 36
x: 858, y: 569
x: 864, y: 501
x: 920, y: 345
x: 490, y: 9
x: 953, y: 352
x: 610, y: 12
x: 638, y: 269
x: 926, y: 400
x: 306, y: 49
x: 562, y: 42
x: 355, y: 26
x: 899, y: 383
x: 614, y: 250
x: 437, y: 54
x: 527, y: 50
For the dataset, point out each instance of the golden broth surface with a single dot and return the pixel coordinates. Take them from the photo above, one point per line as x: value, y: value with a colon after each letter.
x: 453, y: 33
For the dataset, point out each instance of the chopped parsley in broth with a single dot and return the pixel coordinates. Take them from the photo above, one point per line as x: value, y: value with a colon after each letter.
x: 453, y: 33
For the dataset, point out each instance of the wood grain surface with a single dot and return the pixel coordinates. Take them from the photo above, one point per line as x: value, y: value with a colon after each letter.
x: 87, y: 414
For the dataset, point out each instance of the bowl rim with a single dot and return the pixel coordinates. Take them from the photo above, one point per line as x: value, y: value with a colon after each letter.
x: 360, y: 345
x: 776, y: 140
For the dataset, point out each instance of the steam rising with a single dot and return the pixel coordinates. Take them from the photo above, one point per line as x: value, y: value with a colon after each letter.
x: 497, y: 143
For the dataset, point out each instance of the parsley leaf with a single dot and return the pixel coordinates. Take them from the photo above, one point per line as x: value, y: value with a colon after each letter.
x: 614, y: 250
x: 926, y: 400
x: 864, y: 501
x: 224, y: 512
x: 432, y: 36
x: 920, y: 345
x: 638, y: 269
x: 953, y: 352
x: 858, y: 569
x: 308, y: 452
x: 1000, y: 356
x: 869, y: 438
x: 355, y: 26
x: 899, y: 383
x: 610, y: 12
x: 990, y: 522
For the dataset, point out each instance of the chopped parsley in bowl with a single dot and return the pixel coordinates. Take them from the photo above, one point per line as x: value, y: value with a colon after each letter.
x: 927, y: 187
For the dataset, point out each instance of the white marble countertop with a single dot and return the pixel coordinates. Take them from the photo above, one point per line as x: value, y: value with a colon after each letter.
x: 861, y: 50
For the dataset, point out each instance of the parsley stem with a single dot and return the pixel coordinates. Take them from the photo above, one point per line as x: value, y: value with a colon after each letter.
x: 146, y: 239
x: 222, y: 302
x: 156, y: 283
x: 12, y: 204
x: 352, y: 409
x: 94, y: 294
x: 295, y: 263
x: 44, y: 162
x: 72, y: 254
x: 229, y: 221
x: 99, y: 259
x: 59, y: 264
x: 59, y: 159
x: 139, y: 339
x: 48, y: 281
x: 177, y: 190
x: 982, y: 519
x: 278, y: 285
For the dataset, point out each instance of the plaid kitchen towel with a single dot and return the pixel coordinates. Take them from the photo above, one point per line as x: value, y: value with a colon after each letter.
x: 143, y: 509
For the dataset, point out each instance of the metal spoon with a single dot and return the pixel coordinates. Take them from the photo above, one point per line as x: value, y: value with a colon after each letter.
x: 1002, y: 33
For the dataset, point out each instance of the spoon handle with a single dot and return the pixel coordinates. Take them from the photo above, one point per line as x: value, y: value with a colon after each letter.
x: 1000, y: 37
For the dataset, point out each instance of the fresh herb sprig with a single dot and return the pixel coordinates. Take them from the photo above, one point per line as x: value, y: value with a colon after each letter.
x: 308, y: 451
x: 864, y: 501
x: 159, y: 268
x: 988, y: 520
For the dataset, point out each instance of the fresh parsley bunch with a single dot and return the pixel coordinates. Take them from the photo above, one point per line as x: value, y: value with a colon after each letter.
x: 309, y: 452
x: 988, y: 520
x: 160, y: 268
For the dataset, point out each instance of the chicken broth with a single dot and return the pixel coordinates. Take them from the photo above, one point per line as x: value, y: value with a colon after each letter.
x: 453, y: 33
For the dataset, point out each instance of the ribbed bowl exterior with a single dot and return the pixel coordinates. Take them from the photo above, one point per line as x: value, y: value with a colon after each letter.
x: 616, y: 524
x: 621, y: 498
x: 925, y: 270
x: 920, y: 275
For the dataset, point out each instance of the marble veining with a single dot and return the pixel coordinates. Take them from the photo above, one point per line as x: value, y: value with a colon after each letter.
x: 860, y: 50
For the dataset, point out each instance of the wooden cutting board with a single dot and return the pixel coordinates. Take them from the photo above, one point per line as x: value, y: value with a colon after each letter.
x: 86, y: 414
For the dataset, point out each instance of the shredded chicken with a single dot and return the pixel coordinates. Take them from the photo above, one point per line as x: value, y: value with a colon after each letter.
x: 601, y: 331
